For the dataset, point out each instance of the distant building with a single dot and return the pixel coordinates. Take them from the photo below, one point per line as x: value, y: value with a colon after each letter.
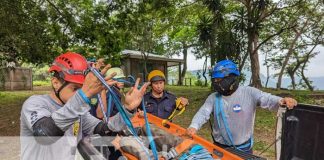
x: 133, y: 64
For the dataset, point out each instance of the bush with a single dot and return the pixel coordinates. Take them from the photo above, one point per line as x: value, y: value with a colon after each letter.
x: 41, y: 83
x: 199, y: 83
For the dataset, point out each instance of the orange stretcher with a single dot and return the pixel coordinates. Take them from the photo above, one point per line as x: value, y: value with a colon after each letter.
x: 217, y: 152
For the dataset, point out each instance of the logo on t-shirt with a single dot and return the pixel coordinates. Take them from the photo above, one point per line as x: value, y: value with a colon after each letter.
x: 76, y: 127
x: 237, y: 108
x: 33, y: 117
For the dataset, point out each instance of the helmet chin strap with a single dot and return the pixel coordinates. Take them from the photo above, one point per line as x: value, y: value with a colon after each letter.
x: 57, y: 93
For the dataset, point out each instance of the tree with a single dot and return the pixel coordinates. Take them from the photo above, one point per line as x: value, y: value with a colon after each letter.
x: 308, y: 20
x: 23, y: 36
x: 257, y: 13
x: 181, y: 31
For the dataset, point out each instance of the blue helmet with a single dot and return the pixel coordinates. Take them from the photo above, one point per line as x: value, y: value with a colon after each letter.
x: 224, y: 68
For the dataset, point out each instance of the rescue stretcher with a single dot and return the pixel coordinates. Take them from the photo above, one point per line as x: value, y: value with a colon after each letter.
x: 218, y: 153
x: 215, y: 151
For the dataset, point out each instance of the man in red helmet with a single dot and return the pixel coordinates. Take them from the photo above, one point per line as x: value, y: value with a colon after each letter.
x: 52, y: 124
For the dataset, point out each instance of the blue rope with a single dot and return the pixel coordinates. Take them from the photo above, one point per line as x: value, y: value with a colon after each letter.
x: 102, y: 108
x: 219, y: 110
x: 120, y: 109
x: 149, y: 133
x: 109, y: 105
x: 196, y: 152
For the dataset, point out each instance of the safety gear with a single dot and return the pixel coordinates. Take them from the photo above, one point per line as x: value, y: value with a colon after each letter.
x: 224, y: 68
x: 119, y: 71
x: 71, y: 67
x: 179, y: 107
x: 156, y: 75
x: 46, y: 131
x: 57, y: 92
x: 226, y: 86
x: 220, y: 114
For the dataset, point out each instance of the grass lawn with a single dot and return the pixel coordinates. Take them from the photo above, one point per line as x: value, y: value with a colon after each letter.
x: 11, y: 102
x: 10, y: 106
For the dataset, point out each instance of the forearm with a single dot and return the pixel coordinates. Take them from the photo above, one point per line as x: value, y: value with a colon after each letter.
x: 70, y: 112
x: 46, y: 131
x: 200, y: 118
x: 269, y: 101
x: 103, y: 130
x: 116, y: 123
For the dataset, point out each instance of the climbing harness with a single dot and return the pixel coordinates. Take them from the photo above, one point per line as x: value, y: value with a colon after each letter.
x: 179, y: 107
x: 219, y: 113
x: 126, y: 119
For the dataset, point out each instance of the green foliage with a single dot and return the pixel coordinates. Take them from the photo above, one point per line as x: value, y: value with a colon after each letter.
x: 41, y: 83
x: 23, y: 35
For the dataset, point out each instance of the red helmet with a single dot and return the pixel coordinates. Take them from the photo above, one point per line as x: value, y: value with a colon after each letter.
x: 71, y: 66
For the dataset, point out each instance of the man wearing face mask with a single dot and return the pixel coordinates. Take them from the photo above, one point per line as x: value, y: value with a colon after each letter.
x: 233, y: 108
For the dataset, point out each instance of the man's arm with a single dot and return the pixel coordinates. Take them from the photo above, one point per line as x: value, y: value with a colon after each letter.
x: 203, y: 115
x: 92, y: 125
x: 49, y: 127
x: 265, y: 100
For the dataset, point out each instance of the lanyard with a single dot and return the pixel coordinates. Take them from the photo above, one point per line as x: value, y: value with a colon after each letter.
x: 218, y: 110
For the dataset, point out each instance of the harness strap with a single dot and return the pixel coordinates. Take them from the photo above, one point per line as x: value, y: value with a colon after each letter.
x: 120, y: 108
x: 57, y: 93
x: 109, y: 106
x: 149, y: 133
x: 218, y: 110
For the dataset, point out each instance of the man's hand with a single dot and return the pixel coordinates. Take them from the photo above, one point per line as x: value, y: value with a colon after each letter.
x: 92, y: 85
x: 134, y: 96
x: 184, y: 101
x: 289, y: 102
x: 116, y: 142
x: 191, y: 131
x: 140, y: 113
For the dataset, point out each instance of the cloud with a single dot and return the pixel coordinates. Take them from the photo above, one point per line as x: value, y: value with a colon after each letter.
x: 315, y: 67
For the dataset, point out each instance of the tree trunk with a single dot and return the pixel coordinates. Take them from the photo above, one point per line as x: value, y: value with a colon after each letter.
x: 212, y: 48
x: 145, y: 57
x: 292, y: 77
x: 290, y: 52
x: 254, y: 58
x: 268, y: 72
x: 305, y: 79
x: 268, y: 77
x: 204, y: 71
x: 184, y: 69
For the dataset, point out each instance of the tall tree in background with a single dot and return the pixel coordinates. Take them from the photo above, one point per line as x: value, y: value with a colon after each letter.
x: 308, y: 18
x: 257, y: 13
x: 181, y: 31
x: 23, y: 36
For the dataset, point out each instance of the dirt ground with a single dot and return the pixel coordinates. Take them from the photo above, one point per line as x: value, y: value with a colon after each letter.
x: 10, y: 112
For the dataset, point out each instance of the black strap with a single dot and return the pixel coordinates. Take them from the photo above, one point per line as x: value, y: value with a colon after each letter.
x: 57, y: 93
x: 103, y: 130
x: 211, y: 127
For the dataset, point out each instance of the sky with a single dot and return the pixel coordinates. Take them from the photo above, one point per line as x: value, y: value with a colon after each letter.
x: 315, y: 67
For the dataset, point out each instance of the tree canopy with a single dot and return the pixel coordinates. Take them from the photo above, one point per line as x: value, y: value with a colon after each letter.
x: 285, y: 31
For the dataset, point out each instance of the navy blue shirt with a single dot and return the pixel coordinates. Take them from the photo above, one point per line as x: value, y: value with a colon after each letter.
x: 113, y: 109
x: 160, y: 107
x: 94, y: 103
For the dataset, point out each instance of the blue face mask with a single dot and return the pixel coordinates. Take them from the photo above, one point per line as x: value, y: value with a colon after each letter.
x: 226, y: 86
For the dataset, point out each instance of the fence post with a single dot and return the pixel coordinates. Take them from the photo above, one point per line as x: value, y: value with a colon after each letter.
x: 190, y: 81
x: 11, y: 78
